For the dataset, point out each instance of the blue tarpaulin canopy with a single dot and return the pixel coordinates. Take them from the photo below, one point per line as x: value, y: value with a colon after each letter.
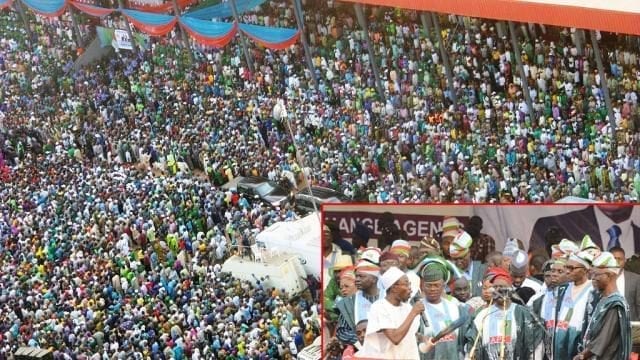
x: 50, y: 8
x: 223, y: 10
x: 216, y: 34
x: 5, y: 3
x: 197, y: 24
x: 271, y: 37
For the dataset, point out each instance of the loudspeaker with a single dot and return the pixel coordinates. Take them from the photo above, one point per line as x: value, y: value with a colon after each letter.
x: 29, y: 353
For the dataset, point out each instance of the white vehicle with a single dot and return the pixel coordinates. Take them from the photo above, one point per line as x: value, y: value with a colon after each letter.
x: 300, y: 237
x: 273, y: 269
x: 312, y: 352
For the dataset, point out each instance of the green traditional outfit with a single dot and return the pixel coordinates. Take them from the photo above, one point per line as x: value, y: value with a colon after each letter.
x: 569, y: 320
x: 331, y: 295
x: 439, y: 316
x: 544, y: 307
x: 608, y: 334
x: 352, y: 310
x: 515, y: 329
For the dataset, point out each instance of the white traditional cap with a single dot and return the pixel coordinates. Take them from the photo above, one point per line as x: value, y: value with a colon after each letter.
x: 371, y: 254
x: 607, y: 261
x: 510, y: 247
x: 460, y: 245
x: 450, y: 226
x: 583, y: 257
x: 391, y: 276
x: 519, y: 261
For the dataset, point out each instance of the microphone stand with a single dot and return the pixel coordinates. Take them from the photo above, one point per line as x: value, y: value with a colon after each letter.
x: 504, y: 328
x: 475, y: 341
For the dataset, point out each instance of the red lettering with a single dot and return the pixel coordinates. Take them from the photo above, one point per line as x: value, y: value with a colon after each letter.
x: 550, y: 324
x: 500, y: 339
x: 447, y: 338
x: 562, y: 325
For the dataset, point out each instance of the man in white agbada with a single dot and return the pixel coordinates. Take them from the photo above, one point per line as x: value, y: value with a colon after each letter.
x: 220, y: 250
x: 574, y: 300
x: 123, y: 245
x: 393, y: 323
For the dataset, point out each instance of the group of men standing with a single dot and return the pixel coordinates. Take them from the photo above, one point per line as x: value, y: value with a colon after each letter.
x: 426, y: 303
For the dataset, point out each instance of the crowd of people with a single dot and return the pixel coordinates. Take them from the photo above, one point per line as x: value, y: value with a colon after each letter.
x: 414, y: 146
x: 114, y: 225
x: 113, y: 220
x: 569, y: 300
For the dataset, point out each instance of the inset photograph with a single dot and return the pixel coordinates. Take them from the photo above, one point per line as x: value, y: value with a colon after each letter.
x: 479, y: 282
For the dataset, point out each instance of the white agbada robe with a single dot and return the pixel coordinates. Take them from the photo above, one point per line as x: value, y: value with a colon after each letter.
x: 384, y: 315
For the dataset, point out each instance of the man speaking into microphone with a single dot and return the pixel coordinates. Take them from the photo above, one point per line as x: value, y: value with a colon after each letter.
x: 393, y: 322
x: 505, y: 330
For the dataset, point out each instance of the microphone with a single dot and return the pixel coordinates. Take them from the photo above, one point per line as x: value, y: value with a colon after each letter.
x: 502, y: 293
x: 472, y: 352
x: 415, y: 299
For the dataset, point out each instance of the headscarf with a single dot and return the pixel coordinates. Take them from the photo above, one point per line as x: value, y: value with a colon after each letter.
x: 588, y: 245
x: 434, y: 271
x: 430, y: 244
x: 607, y: 261
x: 582, y: 257
x: 452, y: 270
x: 342, y: 261
x: 460, y: 245
x: 450, y: 226
x: 565, y: 248
x: 366, y: 267
x: 497, y: 272
x: 400, y: 247
x: 348, y: 273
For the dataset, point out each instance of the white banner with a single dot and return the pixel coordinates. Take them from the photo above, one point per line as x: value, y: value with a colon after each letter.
x: 121, y: 40
x: 527, y: 223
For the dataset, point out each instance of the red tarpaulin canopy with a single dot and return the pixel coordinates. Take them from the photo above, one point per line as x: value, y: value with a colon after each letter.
x: 620, y: 16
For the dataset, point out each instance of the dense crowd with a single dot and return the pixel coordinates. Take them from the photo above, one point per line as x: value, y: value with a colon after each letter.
x: 414, y: 147
x: 111, y: 175
x: 114, y: 229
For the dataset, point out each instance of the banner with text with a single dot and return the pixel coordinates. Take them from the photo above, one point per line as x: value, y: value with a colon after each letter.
x: 119, y: 38
x: 531, y: 224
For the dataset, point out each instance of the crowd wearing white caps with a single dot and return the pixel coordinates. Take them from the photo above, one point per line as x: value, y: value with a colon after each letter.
x: 569, y: 306
x: 69, y: 140
x: 423, y: 150
x: 104, y: 258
